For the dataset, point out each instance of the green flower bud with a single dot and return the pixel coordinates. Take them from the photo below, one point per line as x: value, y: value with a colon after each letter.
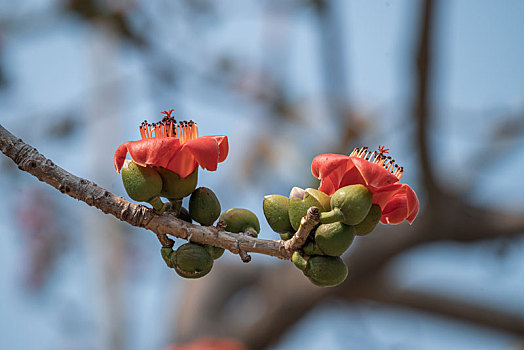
x: 241, y: 220
x: 142, y: 184
x: 286, y: 236
x: 349, y: 204
x: 312, y: 248
x: 333, y: 239
x: 326, y: 271
x: 184, y: 215
x: 192, y: 261
x: 204, y: 206
x: 370, y: 222
x: 276, y: 211
x: 175, y: 187
x: 298, y: 207
x: 215, y: 252
x: 299, y: 260
x: 167, y: 255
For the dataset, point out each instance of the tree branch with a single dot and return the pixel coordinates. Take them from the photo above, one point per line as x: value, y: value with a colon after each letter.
x: 30, y: 160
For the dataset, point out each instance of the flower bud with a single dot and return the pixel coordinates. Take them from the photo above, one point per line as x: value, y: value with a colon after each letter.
x: 286, y: 236
x: 192, y: 261
x: 370, y: 222
x: 241, y: 220
x: 276, y: 211
x: 167, y: 254
x: 184, y: 215
x: 175, y: 187
x: 142, y: 184
x: 299, y: 260
x: 204, y: 206
x: 312, y: 248
x: 333, y: 239
x: 326, y: 271
x: 298, y: 207
x: 349, y: 204
x: 215, y: 252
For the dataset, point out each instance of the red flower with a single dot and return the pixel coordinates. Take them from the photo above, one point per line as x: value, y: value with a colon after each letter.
x: 377, y: 172
x: 173, y: 146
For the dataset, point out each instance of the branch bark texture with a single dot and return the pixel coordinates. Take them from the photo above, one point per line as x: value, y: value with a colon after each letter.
x: 30, y: 160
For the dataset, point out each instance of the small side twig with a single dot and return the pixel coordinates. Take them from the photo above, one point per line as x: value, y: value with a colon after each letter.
x: 243, y: 255
x: 307, y: 223
x: 165, y: 241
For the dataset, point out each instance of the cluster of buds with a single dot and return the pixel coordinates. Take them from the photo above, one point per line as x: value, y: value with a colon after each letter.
x: 355, y: 192
x: 349, y: 212
x: 165, y: 164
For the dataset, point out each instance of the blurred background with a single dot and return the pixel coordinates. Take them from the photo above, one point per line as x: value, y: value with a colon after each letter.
x: 440, y: 83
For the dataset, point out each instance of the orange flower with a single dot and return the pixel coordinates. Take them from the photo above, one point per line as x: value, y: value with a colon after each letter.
x: 377, y: 172
x: 173, y: 146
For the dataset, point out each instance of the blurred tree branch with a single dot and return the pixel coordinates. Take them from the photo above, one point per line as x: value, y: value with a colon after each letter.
x: 286, y: 296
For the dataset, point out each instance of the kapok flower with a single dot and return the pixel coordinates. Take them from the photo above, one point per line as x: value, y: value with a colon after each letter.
x: 375, y: 170
x: 173, y: 146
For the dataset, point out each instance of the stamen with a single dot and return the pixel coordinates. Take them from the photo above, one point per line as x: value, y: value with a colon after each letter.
x: 379, y: 158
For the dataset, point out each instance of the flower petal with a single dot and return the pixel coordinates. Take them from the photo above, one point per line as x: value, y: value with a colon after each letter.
x: 330, y: 168
x: 148, y: 152
x: 223, y: 146
x: 206, y: 151
x: 395, y: 211
x: 403, y: 205
x: 374, y: 174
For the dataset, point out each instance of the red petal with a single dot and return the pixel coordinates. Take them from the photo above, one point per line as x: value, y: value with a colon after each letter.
x: 183, y: 163
x: 330, y: 169
x: 149, y: 152
x: 374, y: 175
x: 205, y: 150
x: 154, y: 151
x: 323, y: 165
x: 395, y: 211
x: 402, y: 206
x: 223, y: 146
x: 413, y: 204
x: 120, y: 156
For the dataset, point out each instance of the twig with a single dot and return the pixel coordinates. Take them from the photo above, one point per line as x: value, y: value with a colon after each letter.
x: 243, y: 255
x: 306, y: 225
x: 30, y: 160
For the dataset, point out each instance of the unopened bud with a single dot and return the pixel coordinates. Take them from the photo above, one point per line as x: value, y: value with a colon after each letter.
x: 192, y: 261
x: 276, y: 211
x: 241, y: 220
x: 326, y: 271
x: 175, y: 187
x: 204, y: 206
x: 142, y: 184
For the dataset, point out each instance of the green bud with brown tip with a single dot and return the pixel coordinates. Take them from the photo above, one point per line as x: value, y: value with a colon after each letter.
x: 298, y: 206
x: 370, y: 222
x: 326, y: 271
x: 241, y: 220
x: 175, y: 187
x: 276, y: 211
x: 142, y: 184
x: 192, y: 261
x: 333, y: 239
x: 215, y: 252
x: 204, y: 206
x: 350, y: 204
